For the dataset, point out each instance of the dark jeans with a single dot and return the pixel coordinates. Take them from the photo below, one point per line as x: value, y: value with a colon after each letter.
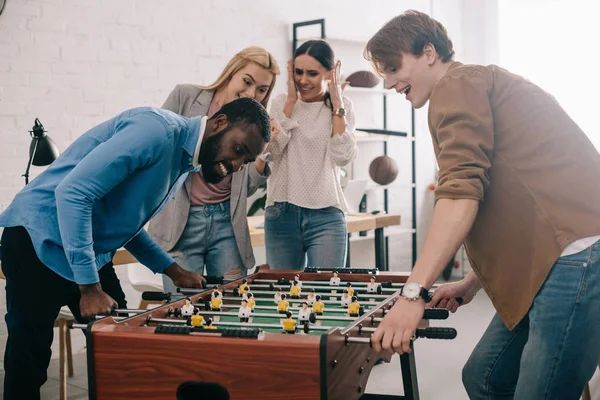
x: 34, y: 296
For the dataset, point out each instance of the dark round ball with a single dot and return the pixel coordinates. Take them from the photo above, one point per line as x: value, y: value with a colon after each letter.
x: 383, y: 170
x: 365, y: 79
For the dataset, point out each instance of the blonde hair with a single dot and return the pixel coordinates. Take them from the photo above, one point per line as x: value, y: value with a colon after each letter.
x: 254, y: 54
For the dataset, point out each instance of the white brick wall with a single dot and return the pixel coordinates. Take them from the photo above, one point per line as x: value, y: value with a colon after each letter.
x: 75, y: 63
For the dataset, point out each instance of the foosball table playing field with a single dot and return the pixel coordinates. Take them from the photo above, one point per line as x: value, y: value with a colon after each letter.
x: 273, y: 335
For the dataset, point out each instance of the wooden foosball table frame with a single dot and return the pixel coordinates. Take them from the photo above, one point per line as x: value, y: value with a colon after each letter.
x: 128, y: 360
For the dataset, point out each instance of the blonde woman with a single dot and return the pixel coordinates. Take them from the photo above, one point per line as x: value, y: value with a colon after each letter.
x: 206, y: 225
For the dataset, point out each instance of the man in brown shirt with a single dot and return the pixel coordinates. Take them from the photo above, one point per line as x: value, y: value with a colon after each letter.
x: 518, y: 185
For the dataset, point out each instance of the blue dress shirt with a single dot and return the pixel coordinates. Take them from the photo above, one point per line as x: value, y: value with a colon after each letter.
x: 98, y: 195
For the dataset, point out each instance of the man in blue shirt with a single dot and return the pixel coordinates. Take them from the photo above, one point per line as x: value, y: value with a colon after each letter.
x: 63, y: 229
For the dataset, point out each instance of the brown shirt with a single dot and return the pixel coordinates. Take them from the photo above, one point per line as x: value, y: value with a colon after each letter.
x: 500, y: 139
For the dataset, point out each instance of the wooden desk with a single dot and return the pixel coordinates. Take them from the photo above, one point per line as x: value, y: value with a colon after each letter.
x: 355, y: 223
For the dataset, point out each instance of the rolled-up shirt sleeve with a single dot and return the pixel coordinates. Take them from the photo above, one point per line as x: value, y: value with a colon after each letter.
x: 342, y: 148
x: 106, y: 166
x: 461, y: 123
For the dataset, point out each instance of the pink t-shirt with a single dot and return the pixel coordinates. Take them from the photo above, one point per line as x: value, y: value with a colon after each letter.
x: 206, y: 193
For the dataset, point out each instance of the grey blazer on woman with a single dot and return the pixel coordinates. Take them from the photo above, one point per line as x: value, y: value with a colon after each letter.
x: 168, y: 225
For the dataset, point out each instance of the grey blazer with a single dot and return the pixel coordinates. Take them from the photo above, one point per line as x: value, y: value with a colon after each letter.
x: 168, y: 225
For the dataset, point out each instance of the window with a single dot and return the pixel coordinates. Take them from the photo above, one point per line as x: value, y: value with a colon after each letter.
x: 554, y: 44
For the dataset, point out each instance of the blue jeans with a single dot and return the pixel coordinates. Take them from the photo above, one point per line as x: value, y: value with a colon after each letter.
x: 208, y: 241
x: 293, y: 234
x: 554, y: 350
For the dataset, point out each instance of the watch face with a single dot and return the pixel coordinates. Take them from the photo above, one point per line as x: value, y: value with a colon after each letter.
x: 411, y: 290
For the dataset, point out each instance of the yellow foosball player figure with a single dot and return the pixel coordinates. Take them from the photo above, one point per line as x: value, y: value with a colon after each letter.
x: 289, y: 324
x: 215, y: 305
x: 196, y: 320
x: 318, y: 306
x: 295, y: 290
x: 251, y: 301
x: 216, y: 302
x: 350, y: 289
x: 353, y: 307
x: 243, y: 286
x: 209, y: 324
x: 283, y: 305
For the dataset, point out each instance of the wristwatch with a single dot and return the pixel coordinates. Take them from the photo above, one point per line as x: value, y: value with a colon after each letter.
x: 412, y: 291
x: 339, y: 112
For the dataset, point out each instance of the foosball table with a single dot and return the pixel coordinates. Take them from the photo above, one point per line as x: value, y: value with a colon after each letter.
x: 240, y: 340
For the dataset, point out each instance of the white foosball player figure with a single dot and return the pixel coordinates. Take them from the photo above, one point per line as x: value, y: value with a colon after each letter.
x: 346, y: 298
x: 304, y: 313
x: 188, y: 309
x: 277, y: 297
x: 214, y: 293
x: 335, y: 280
x: 372, y: 286
x: 311, y: 297
x: 244, y: 312
x: 297, y: 279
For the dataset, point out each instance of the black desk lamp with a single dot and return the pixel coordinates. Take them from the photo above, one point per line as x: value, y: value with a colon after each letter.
x: 42, y: 150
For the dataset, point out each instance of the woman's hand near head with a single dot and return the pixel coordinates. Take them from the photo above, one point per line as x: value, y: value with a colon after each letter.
x: 336, y: 86
x: 292, y: 92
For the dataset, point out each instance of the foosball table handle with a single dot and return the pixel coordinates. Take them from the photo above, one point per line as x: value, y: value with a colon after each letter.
x: 436, y: 333
x: 156, y: 296
x: 436, y: 313
x: 428, y: 333
x: 214, y: 280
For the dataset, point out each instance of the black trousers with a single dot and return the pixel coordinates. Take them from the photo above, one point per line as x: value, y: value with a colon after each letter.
x: 34, y: 296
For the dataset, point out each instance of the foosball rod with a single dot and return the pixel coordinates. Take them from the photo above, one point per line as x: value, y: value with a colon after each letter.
x: 321, y: 284
x: 274, y: 316
x: 287, y: 282
x: 274, y: 308
x: 428, y: 333
x: 429, y: 314
x: 292, y: 300
x: 327, y: 294
x: 237, y: 324
x: 323, y: 289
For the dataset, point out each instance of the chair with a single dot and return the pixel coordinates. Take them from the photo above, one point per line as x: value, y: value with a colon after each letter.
x: 142, y: 280
x: 65, y: 358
